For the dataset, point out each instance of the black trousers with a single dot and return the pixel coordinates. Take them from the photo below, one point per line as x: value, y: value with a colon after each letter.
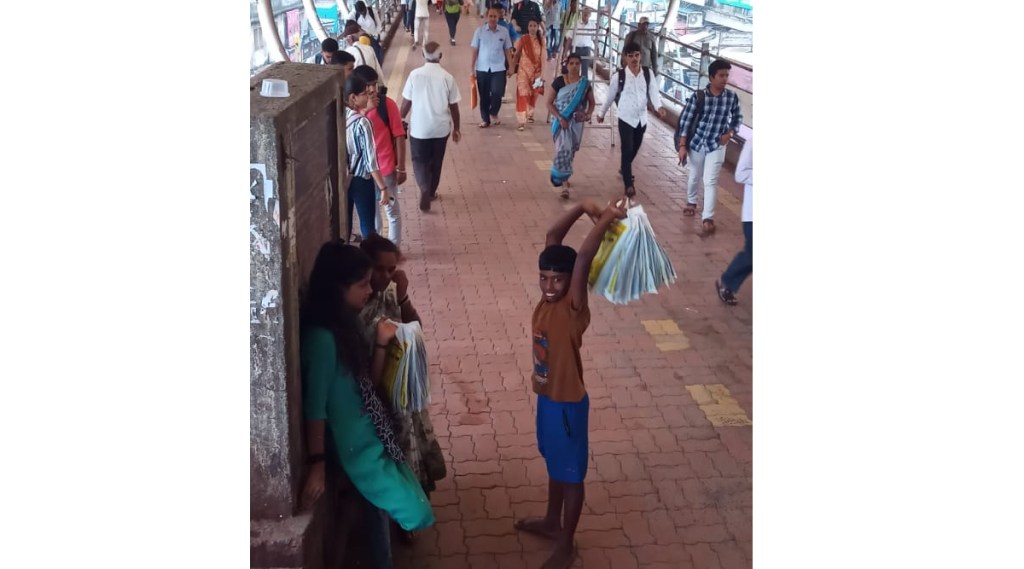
x: 631, y: 138
x: 427, y: 156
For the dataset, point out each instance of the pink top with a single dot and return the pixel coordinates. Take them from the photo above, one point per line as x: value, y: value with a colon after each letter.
x: 382, y: 140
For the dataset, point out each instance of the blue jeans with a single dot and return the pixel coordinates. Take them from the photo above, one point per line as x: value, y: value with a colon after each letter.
x: 362, y: 194
x: 410, y: 18
x: 491, y: 86
x: 743, y: 264
x: 378, y: 536
x: 553, y: 35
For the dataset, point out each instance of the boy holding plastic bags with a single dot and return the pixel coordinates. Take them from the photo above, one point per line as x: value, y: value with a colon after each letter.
x: 559, y: 321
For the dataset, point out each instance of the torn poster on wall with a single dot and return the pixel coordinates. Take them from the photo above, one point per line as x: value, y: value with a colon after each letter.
x: 264, y: 238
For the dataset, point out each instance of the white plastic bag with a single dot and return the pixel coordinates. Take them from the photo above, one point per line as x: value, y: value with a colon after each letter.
x: 630, y: 262
x: 406, y: 377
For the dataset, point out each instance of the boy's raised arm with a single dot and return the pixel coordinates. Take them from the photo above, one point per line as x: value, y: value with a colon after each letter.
x: 585, y: 256
x: 563, y: 224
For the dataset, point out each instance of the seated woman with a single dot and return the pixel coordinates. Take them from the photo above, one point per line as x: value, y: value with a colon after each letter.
x: 344, y: 415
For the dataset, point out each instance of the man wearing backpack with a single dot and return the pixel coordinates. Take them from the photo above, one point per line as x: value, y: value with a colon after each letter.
x: 389, y: 141
x: 635, y: 91
x: 709, y: 120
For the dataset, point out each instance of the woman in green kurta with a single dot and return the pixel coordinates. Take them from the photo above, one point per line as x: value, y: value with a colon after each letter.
x: 338, y: 392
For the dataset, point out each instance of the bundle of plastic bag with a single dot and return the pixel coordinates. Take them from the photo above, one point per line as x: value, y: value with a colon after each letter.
x: 406, y: 379
x: 630, y: 262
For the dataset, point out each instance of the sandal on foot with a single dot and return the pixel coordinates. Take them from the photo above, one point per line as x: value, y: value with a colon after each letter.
x: 690, y: 209
x: 709, y: 226
x: 630, y: 191
x: 495, y: 121
x: 565, y: 194
x: 530, y: 120
x: 535, y: 526
x: 521, y: 128
x: 724, y: 294
x: 484, y: 125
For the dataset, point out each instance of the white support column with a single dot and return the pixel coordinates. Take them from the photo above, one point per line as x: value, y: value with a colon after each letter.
x: 270, y: 35
x: 314, y: 20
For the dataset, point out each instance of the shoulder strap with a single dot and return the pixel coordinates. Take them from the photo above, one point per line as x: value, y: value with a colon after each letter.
x: 622, y: 83
x: 647, y: 81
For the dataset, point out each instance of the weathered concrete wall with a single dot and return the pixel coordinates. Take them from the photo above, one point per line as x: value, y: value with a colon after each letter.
x: 271, y: 443
x: 296, y: 146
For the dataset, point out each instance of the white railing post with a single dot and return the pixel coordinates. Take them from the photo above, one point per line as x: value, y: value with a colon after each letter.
x: 314, y: 20
x: 270, y: 35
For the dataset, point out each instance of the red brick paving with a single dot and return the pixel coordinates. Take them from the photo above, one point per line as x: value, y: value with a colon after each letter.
x: 665, y: 487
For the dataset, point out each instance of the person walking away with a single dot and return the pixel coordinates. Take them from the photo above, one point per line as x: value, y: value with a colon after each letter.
x: 368, y: 21
x: 452, y: 13
x: 421, y: 32
x: 432, y: 96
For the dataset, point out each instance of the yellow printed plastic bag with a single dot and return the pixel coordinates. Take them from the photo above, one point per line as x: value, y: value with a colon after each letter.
x: 611, y: 237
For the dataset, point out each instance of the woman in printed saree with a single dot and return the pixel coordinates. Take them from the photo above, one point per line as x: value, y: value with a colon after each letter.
x: 529, y: 60
x: 571, y: 100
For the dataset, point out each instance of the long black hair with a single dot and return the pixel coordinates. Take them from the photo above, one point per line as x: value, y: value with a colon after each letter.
x: 337, y: 267
x: 362, y: 9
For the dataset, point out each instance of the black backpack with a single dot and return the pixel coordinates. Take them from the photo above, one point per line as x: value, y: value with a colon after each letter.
x: 693, y: 124
x: 382, y: 110
x: 622, y: 83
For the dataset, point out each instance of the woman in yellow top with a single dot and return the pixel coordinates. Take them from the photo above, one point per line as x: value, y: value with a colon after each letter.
x: 529, y: 60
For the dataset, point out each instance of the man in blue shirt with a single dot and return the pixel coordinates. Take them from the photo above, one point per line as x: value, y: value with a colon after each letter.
x: 512, y: 33
x: 492, y: 65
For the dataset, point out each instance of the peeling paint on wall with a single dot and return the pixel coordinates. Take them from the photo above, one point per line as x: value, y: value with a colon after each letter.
x: 264, y: 236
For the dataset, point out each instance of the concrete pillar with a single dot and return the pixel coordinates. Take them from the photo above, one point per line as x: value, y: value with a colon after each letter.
x: 296, y: 147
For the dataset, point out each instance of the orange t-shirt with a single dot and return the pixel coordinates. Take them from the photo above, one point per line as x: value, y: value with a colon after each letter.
x: 557, y: 338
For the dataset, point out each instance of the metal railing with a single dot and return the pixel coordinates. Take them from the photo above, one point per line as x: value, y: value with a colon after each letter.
x: 676, y: 60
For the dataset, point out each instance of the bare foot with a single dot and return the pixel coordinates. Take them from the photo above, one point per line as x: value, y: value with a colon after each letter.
x: 561, y: 558
x: 539, y: 526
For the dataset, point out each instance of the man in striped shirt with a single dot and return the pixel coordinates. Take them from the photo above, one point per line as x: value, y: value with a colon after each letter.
x: 717, y: 123
x: 362, y: 158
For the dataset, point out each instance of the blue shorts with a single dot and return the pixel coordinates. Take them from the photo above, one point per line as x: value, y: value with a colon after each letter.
x: 562, y: 438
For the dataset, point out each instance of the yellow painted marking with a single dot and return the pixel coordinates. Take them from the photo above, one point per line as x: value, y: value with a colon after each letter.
x: 667, y: 335
x: 655, y: 327
x: 718, y: 405
x: 673, y: 346
x: 543, y: 164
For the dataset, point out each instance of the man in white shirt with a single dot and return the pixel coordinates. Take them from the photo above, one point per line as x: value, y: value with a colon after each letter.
x: 639, y: 92
x: 432, y: 95
x: 743, y: 265
x: 582, y: 36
